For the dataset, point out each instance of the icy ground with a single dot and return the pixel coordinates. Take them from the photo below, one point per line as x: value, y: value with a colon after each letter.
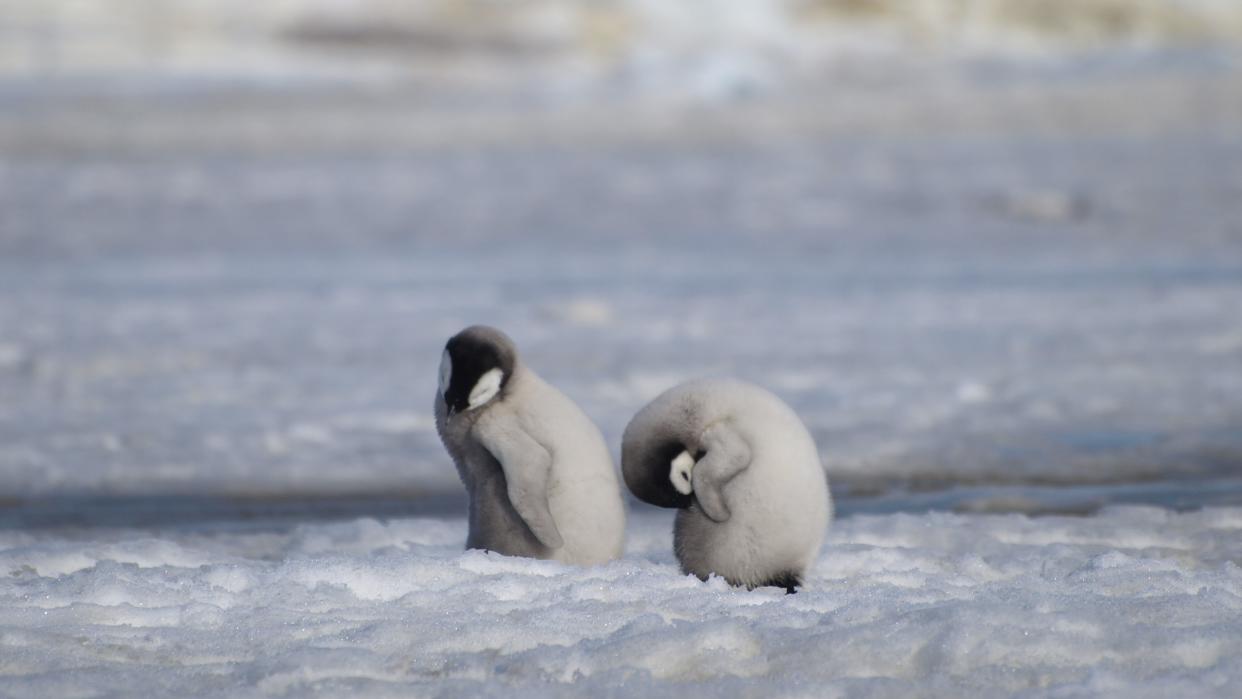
x: 994, y: 279
x: 1005, y: 288
x: 1133, y: 602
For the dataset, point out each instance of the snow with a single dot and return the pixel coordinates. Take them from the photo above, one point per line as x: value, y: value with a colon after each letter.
x: 1134, y: 601
x: 994, y: 263
x: 156, y: 341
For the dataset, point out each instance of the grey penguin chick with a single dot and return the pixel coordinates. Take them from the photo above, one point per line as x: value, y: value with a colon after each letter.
x: 745, y: 474
x: 540, y: 479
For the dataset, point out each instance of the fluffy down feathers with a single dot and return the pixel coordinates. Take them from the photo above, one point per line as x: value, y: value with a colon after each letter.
x: 758, y: 506
x: 540, y: 479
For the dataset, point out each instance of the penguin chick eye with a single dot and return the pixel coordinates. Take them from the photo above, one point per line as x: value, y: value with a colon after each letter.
x: 446, y: 371
x: 486, y: 388
x: 679, y: 473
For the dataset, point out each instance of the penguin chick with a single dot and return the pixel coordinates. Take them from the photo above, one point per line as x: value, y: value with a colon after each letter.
x: 540, y: 480
x: 752, y: 497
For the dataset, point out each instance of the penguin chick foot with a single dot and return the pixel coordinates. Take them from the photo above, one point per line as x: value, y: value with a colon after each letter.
x: 790, y: 581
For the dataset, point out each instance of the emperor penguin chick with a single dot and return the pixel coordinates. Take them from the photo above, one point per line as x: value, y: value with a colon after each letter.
x: 744, y: 472
x: 540, y: 480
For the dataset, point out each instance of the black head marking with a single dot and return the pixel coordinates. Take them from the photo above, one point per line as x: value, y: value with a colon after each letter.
x: 472, y: 353
x: 655, y: 486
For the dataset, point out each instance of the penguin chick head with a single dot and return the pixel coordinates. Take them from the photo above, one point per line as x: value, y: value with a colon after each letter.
x: 476, y: 366
x: 679, y: 473
x: 661, y: 474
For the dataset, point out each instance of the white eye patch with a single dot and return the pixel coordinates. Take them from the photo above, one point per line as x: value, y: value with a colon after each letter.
x: 486, y: 388
x: 446, y: 371
x: 679, y: 473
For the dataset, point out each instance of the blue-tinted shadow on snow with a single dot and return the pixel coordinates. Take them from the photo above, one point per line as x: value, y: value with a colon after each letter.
x: 1182, y: 494
x: 217, y: 511
x: 277, y: 513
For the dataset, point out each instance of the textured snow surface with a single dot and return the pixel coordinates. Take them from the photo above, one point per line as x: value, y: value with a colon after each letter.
x: 1130, y: 602
x: 987, y: 283
x: 204, y: 323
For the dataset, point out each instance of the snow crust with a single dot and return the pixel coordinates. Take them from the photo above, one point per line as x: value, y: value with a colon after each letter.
x: 1132, y: 602
x: 192, y: 323
x: 988, y: 281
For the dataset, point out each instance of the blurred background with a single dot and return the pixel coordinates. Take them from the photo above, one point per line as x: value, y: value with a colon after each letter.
x: 990, y: 250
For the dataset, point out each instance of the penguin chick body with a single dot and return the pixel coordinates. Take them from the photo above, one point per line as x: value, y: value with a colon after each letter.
x: 745, y: 474
x: 540, y: 480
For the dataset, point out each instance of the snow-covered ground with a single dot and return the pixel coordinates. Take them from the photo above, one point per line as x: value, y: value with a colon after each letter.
x: 999, y: 278
x: 1028, y: 309
x: 1132, y: 602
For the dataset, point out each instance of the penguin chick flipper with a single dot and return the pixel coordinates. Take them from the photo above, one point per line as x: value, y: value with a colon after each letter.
x: 727, y: 455
x: 526, y: 465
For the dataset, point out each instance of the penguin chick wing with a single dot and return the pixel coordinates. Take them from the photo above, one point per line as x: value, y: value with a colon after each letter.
x: 727, y: 454
x: 526, y: 465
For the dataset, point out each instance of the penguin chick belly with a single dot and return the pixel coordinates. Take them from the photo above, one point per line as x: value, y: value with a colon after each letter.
x: 749, y: 548
x: 704, y: 547
x: 583, y: 491
x: 779, y: 514
x: 741, y: 554
x: 590, y: 517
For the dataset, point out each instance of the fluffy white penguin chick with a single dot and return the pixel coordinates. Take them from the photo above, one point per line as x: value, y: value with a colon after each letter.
x: 540, y: 480
x: 745, y: 474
